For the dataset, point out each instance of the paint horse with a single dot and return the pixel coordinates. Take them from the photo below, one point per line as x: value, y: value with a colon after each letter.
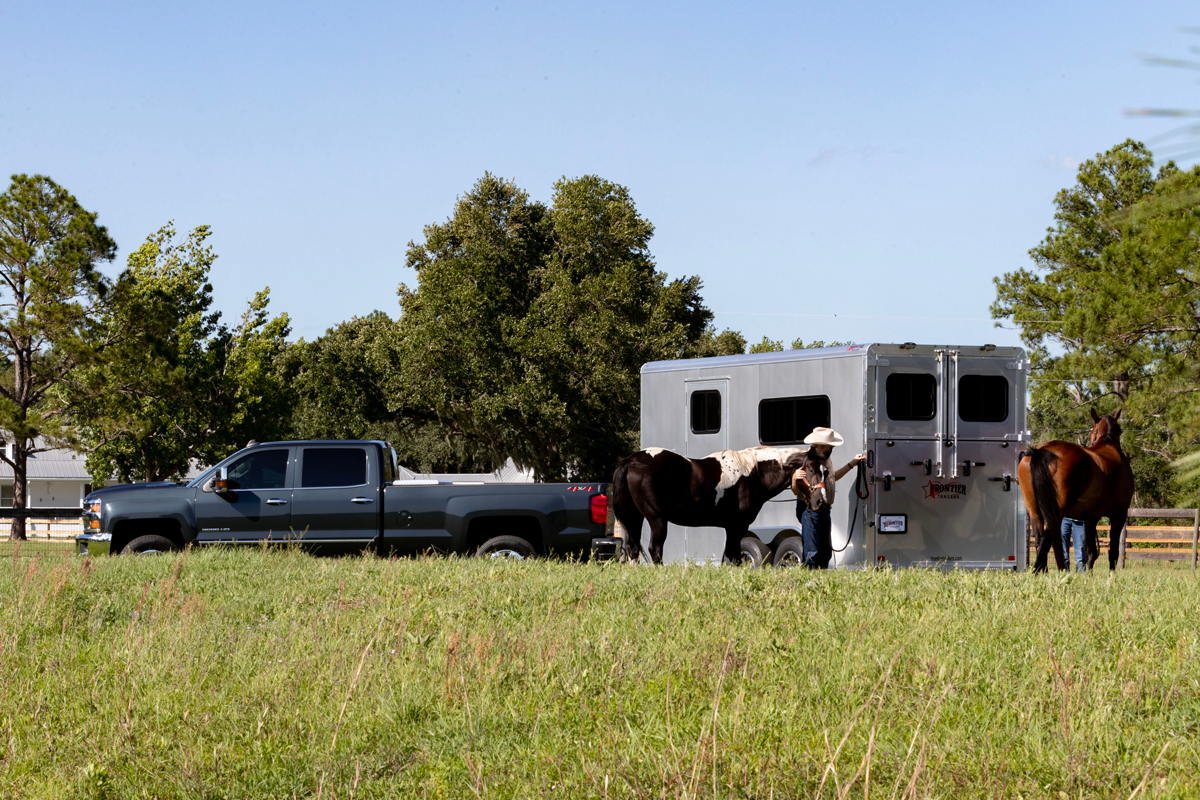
x: 724, y: 490
x: 1062, y: 479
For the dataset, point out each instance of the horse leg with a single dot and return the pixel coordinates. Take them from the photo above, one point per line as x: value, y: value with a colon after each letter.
x: 1045, y: 541
x: 733, y: 544
x: 630, y: 524
x: 1117, y: 521
x: 1091, y: 545
x: 658, y: 537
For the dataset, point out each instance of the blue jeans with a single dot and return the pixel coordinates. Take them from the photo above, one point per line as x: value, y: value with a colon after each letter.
x: 1073, y: 529
x: 816, y: 528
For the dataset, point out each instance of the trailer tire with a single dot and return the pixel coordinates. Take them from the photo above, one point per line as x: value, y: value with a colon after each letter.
x: 790, y: 552
x: 507, y: 547
x: 755, y: 554
x: 151, y: 544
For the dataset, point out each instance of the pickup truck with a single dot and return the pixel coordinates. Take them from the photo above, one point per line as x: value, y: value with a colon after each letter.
x: 346, y: 496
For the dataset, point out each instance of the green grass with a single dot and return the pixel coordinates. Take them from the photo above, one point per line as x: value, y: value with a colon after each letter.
x: 247, y: 674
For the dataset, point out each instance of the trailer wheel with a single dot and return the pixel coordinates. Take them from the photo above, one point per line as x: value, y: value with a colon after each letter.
x: 151, y: 544
x: 755, y: 554
x: 509, y: 547
x: 790, y: 552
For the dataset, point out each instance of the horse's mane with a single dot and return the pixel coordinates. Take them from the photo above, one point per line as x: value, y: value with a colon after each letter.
x: 1113, y: 436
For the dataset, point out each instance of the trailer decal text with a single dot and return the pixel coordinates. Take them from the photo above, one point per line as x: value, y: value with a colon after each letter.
x: 936, y: 490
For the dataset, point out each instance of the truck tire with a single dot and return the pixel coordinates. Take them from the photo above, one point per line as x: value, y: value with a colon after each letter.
x: 755, y: 554
x: 149, y: 545
x: 790, y: 552
x: 510, y: 547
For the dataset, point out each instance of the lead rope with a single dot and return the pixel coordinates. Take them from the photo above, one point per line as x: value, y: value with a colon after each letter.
x: 862, y: 491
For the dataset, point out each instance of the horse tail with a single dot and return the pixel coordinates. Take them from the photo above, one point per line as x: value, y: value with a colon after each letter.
x: 622, y: 499
x: 1044, y: 489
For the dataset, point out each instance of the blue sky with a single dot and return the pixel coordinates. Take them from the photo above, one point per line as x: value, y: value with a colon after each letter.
x: 877, y: 162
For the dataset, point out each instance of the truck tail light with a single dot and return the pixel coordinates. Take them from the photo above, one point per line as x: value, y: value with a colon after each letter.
x: 599, y: 508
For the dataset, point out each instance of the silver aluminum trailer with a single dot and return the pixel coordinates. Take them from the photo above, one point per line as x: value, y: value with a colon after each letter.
x: 942, y: 426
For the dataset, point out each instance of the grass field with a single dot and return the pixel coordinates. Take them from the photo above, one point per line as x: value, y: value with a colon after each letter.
x: 254, y: 674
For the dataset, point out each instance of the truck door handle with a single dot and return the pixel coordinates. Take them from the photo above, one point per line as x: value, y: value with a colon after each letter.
x: 361, y: 500
x: 276, y: 502
x: 927, y: 464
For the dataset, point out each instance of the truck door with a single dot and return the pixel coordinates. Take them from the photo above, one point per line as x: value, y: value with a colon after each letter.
x: 707, y: 432
x: 257, y: 505
x: 336, y: 499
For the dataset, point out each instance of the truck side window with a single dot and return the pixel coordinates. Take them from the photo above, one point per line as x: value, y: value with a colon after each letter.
x: 911, y: 396
x: 333, y: 466
x: 265, y: 469
x: 706, y: 411
x: 983, y: 398
x: 787, y: 420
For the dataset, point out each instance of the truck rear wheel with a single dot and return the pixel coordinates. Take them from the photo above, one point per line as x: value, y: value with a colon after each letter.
x: 755, y: 554
x: 511, y: 547
x: 790, y: 552
x: 149, y: 545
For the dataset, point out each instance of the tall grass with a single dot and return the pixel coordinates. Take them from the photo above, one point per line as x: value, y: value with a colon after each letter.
x: 255, y: 674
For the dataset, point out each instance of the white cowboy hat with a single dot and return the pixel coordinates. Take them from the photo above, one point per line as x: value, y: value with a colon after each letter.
x: 824, y: 436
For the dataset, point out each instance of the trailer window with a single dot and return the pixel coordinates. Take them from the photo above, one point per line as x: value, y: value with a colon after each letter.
x: 911, y: 396
x: 983, y: 398
x: 787, y: 420
x: 706, y: 411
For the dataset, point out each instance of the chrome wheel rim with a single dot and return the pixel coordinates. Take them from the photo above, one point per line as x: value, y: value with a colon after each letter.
x: 789, y: 560
x: 150, y: 552
x: 506, y: 553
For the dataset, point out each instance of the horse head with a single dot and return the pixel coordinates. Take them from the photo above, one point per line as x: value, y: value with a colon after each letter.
x: 1106, y: 428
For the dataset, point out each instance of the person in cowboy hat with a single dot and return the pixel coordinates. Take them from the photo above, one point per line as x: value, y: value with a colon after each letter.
x: 815, y: 488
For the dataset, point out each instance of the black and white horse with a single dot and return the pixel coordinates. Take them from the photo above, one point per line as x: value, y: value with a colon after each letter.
x: 724, y: 490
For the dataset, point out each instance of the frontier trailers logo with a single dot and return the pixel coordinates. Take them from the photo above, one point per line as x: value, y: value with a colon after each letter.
x: 936, y: 490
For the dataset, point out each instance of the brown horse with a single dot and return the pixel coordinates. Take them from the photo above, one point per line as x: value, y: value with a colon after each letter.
x: 1062, y: 479
x: 724, y: 490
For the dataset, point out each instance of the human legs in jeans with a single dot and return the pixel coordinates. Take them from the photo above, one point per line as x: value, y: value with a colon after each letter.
x: 816, y: 528
x: 1073, y: 529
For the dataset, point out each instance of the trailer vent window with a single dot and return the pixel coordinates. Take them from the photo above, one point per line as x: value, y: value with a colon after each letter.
x: 706, y: 412
x: 983, y: 398
x: 787, y: 420
x: 911, y: 396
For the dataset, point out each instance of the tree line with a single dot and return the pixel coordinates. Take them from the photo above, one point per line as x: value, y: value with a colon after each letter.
x: 1110, y: 314
x: 523, y: 339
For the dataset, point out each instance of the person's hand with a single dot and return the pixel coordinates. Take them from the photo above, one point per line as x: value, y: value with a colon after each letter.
x: 859, y: 457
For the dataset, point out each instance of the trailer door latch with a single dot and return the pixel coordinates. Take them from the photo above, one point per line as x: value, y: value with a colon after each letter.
x: 1007, y: 478
x: 887, y: 478
x: 966, y: 465
x: 927, y: 464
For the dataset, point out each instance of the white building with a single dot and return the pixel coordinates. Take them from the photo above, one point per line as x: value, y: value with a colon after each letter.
x: 56, y: 479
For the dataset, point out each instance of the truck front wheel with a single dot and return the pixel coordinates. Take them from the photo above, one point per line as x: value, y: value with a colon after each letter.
x: 149, y: 545
x: 512, y: 547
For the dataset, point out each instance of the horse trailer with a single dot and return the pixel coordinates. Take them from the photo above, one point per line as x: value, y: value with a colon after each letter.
x: 942, y: 427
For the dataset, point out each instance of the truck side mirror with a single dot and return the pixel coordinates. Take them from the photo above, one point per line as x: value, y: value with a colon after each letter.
x: 221, y: 484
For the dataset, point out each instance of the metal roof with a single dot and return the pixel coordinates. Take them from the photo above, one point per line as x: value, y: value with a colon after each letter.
x: 756, y: 358
x: 815, y: 354
x: 56, y: 464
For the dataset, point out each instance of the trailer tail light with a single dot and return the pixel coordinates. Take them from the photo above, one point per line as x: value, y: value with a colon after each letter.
x: 1012, y: 558
x: 599, y: 508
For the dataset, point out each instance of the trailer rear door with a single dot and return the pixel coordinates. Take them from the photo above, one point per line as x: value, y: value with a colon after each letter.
x: 945, y: 439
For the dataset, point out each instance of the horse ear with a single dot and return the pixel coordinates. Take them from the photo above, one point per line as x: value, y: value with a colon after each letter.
x: 1117, y: 415
x: 1095, y: 416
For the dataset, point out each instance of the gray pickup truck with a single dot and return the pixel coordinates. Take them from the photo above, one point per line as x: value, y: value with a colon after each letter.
x: 345, y: 496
